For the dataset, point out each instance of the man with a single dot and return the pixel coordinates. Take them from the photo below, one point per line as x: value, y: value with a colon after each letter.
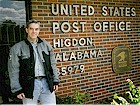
x: 32, y: 68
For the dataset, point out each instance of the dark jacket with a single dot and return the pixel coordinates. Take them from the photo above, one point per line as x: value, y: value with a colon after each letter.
x: 21, y: 66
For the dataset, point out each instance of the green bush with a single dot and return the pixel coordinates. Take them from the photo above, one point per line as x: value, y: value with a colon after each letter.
x: 76, y: 98
x: 131, y: 97
x: 65, y: 100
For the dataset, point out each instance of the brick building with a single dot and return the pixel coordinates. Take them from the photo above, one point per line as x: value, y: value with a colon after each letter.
x: 84, y: 34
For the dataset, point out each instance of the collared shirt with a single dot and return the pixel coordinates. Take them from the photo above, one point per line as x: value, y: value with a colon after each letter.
x: 39, y: 69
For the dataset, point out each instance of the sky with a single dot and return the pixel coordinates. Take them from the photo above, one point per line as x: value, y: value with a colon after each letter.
x: 12, y: 10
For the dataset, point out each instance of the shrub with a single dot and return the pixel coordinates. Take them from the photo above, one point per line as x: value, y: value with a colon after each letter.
x: 76, y: 98
x: 131, y: 97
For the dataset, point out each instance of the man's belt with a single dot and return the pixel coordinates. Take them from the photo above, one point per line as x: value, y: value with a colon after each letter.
x: 40, y: 77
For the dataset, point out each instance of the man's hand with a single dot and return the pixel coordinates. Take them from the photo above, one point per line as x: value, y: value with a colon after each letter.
x: 21, y: 96
x: 55, y: 88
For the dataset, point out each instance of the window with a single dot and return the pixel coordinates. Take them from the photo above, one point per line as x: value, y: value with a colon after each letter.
x: 14, y: 14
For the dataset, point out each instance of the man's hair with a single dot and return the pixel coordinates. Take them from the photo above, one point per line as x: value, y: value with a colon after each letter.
x: 32, y: 21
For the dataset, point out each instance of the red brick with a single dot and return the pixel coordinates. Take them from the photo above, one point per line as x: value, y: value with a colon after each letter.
x: 93, y: 74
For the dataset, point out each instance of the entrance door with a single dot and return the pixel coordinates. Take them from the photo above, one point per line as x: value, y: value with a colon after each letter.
x: 13, y: 17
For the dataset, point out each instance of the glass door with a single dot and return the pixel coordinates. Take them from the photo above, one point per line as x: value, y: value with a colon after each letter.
x: 13, y: 17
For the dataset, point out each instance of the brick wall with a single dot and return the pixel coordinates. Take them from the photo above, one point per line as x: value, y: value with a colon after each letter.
x: 97, y: 77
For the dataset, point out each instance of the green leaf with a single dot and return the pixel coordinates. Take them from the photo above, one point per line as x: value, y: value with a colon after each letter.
x: 134, y: 91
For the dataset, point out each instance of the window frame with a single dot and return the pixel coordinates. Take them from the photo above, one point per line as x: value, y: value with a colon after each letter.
x: 28, y: 10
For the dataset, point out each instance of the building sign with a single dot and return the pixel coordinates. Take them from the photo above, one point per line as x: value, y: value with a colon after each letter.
x: 75, y: 55
x: 121, y: 59
x: 88, y: 10
x: 120, y: 55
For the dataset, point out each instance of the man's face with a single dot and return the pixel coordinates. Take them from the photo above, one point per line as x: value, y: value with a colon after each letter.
x: 33, y: 31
